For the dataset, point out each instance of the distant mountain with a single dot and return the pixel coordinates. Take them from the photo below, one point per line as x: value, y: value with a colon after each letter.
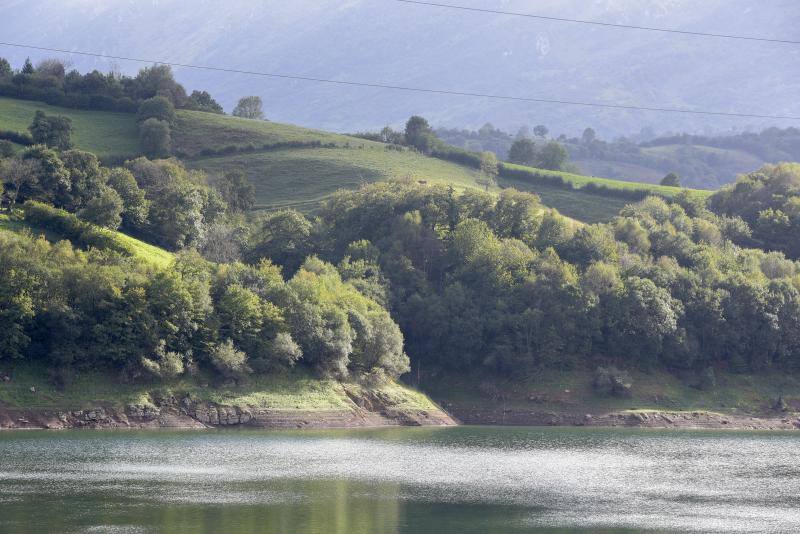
x: 391, y: 42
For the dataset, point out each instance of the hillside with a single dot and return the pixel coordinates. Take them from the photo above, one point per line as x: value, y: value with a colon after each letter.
x: 140, y: 250
x: 292, y: 166
x: 100, y: 132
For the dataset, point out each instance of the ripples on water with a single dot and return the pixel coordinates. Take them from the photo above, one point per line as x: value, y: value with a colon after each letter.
x: 400, y: 480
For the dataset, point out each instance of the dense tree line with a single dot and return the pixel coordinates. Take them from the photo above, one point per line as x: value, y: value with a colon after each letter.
x: 502, y: 285
x: 50, y: 81
x: 160, y: 201
x: 769, y: 200
x: 72, y: 310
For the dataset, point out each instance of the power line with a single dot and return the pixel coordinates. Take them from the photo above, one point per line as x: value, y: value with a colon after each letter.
x: 598, y: 23
x: 411, y: 89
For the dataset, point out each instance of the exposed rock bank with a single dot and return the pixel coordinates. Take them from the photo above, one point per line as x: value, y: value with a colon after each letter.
x: 187, y: 413
x: 636, y: 419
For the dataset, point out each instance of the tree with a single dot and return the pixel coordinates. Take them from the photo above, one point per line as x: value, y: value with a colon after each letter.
x: 671, y: 180
x: 53, y: 131
x: 540, y: 130
x: 135, y: 205
x: 104, y: 209
x: 5, y: 68
x: 285, y: 238
x: 202, y: 101
x: 488, y: 169
x: 419, y: 134
x: 155, y: 138
x: 589, y: 136
x: 27, y: 67
x: 249, y: 107
x: 552, y: 156
x: 17, y: 174
x: 523, y: 152
x: 157, y: 80
x: 236, y: 190
x: 158, y: 107
x: 229, y: 361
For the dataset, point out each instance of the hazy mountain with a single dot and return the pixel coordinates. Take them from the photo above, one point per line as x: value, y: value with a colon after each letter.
x: 396, y: 43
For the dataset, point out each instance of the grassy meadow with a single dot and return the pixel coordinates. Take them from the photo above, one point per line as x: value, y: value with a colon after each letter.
x: 295, y: 390
x: 104, y: 133
x: 301, y: 177
x: 145, y: 252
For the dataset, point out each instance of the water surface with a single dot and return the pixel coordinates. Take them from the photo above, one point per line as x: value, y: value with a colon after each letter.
x: 437, y: 480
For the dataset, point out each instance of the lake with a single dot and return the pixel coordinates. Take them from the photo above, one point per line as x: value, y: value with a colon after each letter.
x: 400, y: 480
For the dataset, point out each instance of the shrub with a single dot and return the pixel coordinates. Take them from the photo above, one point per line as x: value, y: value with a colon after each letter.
x: 229, y: 361
x: 6, y: 149
x: 20, y: 138
x: 164, y: 364
x: 158, y: 107
x: 155, y: 138
x: 611, y: 382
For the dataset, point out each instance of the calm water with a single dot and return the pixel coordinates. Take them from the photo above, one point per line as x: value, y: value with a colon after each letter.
x: 444, y: 480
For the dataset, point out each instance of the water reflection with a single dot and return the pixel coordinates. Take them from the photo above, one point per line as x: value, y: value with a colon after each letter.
x: 399, y: 480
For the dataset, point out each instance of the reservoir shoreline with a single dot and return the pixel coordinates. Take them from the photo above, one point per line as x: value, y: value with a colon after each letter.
x: 209, y: 415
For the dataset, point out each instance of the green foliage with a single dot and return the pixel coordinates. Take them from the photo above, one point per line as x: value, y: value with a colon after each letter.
x: 51, y: 131
x: 523, y: 152
x: 202, y: 101
x: 419, y: 134
x: 671, y: 180
x: 5, y: 68
x: 249, y: 107
x: 6, y: 149
x: 231, y: 363
x: 285, y: 238
x: 236, y: 190
x: 155, y: 138
x: 135, y: 206
x: 610, y: 381
x: 104, y: 210
x: 157, y: 107
x: 768, y: 200
x: 103, y: 133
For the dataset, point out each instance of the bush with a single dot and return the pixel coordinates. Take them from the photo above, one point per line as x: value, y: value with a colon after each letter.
x: 164, y: 364
x: 6, y: 149
x: 159, y: 108
x: 20, y: 138
x: 155, y: 138
x: 104, y: 209
x: 229, y: 361
x: 611, y: 382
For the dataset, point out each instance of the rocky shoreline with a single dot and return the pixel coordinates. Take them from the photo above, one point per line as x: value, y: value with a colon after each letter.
x: 630, y: 419
x: 187, y: 414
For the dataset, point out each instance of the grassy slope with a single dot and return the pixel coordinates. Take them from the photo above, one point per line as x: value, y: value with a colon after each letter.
x: 303, y: 177
x: 101, y: 132
x: 297, y: 176
x: 144, y: 251
x: 571, y: 392
x: 294, y: 391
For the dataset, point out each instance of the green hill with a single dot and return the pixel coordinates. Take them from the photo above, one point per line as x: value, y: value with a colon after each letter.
x: 101, y: 132
x: 139, y: 249
x: 292, y: 166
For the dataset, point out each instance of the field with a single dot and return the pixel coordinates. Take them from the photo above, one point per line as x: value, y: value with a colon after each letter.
x: 144, y: 251
x: 300, y: 177
x: 571, y: 392
x: 288, y: 172
x: 296, y: 390
x: 101, y: 132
